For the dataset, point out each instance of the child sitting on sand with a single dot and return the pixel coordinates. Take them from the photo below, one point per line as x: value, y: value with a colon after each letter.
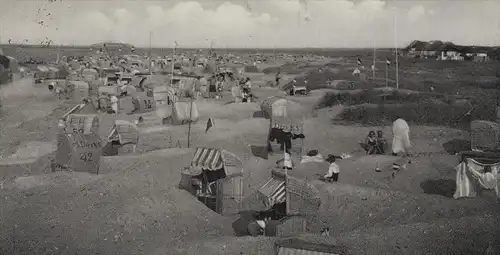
x: 333, y: 169
x: 370, y: 143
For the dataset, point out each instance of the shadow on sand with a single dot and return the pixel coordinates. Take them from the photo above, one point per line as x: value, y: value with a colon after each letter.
x: 456, y: 145
x: 442, y: 187
x: 260, y: 151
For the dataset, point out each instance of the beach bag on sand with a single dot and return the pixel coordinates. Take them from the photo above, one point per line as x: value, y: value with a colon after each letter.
x: 312, y: 153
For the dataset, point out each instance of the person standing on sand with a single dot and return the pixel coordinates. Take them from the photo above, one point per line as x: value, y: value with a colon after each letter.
x: 114, y: 103
x: 278, y: 78
x: 401, y: 133
x: 381, y: 142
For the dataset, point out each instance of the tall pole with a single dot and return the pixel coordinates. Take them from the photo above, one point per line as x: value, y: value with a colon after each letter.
x: 386, y: 75
x: 189, y: 124
x: 298, y: 18
x: 58, y: 54
x: 396, y: 45
x: 374, y: 58
x: 150, y: 61
x: 173, y: 65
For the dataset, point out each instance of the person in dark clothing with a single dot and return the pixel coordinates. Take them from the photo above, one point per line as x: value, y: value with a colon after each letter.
x: 278, y: 78
x: 284, y: 139
x: 381, y: 142
x: 371, y: 143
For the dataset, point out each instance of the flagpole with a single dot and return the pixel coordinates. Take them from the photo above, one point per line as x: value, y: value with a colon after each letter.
x: 298, y: 18
x: 173, y: 65
x: 150, y: 35
x: 374, y: 58
x: 189, y: 124
x: 386, y: 75
x: 396, y: 46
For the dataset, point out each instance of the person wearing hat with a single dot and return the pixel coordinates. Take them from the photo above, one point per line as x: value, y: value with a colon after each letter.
x: 333, y: 169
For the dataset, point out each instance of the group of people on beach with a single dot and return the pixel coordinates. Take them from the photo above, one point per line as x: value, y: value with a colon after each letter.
x: 375, y: 143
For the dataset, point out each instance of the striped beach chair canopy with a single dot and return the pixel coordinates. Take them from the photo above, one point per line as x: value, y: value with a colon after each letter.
x: 213, y: 159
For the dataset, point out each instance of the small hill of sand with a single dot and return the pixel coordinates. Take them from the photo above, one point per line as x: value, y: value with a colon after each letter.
x: 126, y: 210
x: 347, y: 207
x: 467, y: 235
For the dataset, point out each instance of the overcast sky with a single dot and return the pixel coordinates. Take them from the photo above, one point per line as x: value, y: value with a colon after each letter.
x: 267, y: 23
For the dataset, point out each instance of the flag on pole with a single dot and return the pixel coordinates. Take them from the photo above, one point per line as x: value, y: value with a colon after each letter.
x: 248, y: 7
x: 387, y: 61
x: 210, y: 124
x: 176, y: 44
x: 304, y: 8
x: 359, y: 61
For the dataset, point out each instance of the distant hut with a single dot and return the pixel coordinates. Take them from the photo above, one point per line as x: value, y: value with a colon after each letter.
x: 77, y: 90
x: 41, y: 73
x: 78, y: 152
x: 143, y: 104
x: 90, y: 74
x: 121, y: 134
x: 485, y: 136
x: 183, y: 112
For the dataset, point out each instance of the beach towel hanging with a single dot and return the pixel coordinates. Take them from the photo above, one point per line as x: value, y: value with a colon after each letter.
x: 472, y: 175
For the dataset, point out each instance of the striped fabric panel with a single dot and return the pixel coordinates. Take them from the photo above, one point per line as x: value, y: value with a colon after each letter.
x: 465, y: 187
x: 209, y: 159
x: 274, y: 191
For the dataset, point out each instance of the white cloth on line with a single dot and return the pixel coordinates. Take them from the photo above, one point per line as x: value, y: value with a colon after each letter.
x: 471, y: 176
x: 308, y: 159
x: 288, y: 161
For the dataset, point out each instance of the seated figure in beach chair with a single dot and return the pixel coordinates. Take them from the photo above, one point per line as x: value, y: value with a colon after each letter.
x: 370, y: 144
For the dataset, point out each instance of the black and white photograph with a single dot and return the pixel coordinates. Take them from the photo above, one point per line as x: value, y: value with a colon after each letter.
x: 249, y: 127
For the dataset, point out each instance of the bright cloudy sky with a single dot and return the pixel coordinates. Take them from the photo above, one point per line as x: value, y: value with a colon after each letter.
x: 269, y: 23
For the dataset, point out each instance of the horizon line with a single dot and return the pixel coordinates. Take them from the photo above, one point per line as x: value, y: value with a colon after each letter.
x: 192, y: 47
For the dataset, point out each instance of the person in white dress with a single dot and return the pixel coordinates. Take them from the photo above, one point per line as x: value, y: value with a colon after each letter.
x: 114, y: 103
x: 401, y: 133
